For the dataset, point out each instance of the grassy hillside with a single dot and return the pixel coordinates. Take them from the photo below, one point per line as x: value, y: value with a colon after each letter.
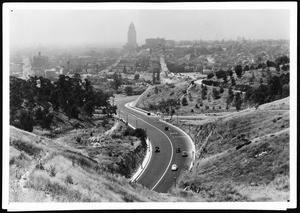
x: 68, y: 170
x: 177, y: 91
x: 242, y: 156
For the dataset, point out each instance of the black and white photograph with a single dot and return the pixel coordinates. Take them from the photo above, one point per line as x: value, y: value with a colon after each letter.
x: 149, y: 105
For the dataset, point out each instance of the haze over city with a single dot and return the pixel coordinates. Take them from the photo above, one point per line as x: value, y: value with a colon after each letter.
x: 141, y: 102
x: 108, y: 27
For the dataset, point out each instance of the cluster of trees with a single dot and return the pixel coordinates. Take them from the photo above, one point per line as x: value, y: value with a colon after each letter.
x: 178, y: 68
x: 168, y: 105
x: 276, y: 88
x: 117, y: 81
x: 33, y: 101
x: 139, y: 133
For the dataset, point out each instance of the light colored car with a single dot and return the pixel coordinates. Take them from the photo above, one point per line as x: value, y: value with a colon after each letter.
x: 174, y: 167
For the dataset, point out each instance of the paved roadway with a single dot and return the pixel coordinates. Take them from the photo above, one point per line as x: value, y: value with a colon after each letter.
x: 158, y: 175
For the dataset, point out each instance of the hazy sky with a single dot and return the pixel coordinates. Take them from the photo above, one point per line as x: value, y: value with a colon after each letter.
x: 48, y: 27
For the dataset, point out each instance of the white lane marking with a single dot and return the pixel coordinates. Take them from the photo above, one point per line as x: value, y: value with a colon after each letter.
x: 189, y: 138
x: 171, y: 154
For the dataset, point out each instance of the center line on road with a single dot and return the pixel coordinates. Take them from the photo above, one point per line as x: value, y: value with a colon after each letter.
x: 171, y: 154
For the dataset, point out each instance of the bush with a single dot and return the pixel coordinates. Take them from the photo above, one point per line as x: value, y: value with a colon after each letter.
x: 27, y: 147
x: 40, y: 166
x: 78, y: 139
x: 210, y: 75
x: 26, y: 121
x: 69, y: 179
x: 184, y: 101
x: 52, y: 171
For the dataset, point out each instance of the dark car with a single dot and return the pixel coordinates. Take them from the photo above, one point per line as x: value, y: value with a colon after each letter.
x: 148, y: 113
x: 167, y: 128
x: 157, y: 149
x: 178, y: 150
x: 184, y: 154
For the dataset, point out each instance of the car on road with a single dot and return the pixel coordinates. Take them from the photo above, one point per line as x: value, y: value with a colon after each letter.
x: 184, y: 154
x: 148, y: 113
x: 178, y: 150
x: 167, y: 128
x: 157, y: 149
x: 174, y: 167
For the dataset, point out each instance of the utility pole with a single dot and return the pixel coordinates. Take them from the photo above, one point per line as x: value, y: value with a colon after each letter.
x: 136, y: 123
x: 127, y: 119
x: 175, y: 181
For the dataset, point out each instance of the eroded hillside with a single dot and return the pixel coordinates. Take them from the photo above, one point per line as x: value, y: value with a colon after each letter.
x: 242, y: 156
x: 67, y: 169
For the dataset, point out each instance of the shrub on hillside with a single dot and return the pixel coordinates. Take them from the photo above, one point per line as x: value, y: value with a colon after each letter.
x: 184, y: 101
x: 27, y: 147
x: 69, y: 179
x: 26, y: 121
x: 210, y: 75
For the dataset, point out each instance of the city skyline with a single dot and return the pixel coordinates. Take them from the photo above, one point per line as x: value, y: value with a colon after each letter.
x: 109, y: 27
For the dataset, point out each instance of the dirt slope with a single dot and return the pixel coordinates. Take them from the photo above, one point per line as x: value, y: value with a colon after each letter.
x: 59, y: 170
x: 242, y: 156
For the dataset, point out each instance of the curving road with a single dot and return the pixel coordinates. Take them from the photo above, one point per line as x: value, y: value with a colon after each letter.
x: 158, y: 175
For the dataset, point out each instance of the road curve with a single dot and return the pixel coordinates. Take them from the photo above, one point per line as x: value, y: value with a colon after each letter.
x: 158, y: 175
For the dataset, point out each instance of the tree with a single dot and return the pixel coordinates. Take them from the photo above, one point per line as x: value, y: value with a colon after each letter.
x: 238, y: 101
x: 216, y: 94
x: 246, y: 68
x: 232, y: 81
x: 158, y: 75
x: 270, y: 63
x: 142, y: 135
x: 128, y: 90
x: 230, y: 96
x: 229, y: 72
x: 117, y: 80
x: 184, y: 101
x: 136, y: 77
x: 26, y: 121
x: 204, y: 92
x: 221, y: 74
x: 225, y: 81
x: 221, y: 90
x: 238, y: 70
x: 282, y: 60
x: 210, y: 75
x: 89, y: 108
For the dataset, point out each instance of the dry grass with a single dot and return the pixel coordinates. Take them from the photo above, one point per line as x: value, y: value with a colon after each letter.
x: 258, y: 171
x: 61, y: 173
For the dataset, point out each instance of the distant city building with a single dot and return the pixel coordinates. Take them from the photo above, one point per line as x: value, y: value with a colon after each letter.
x: 40, y: 64
x: 51, y: 73
x: 15, y: 69
x: 153, y: 43
x: 131, y: 44
x: 40, y: 61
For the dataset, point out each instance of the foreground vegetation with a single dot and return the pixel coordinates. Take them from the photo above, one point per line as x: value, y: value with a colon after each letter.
x: 37, y: 101
x: 75, y: 168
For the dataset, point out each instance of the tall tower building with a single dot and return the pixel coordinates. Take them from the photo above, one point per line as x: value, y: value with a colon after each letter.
x: 131, y: 38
